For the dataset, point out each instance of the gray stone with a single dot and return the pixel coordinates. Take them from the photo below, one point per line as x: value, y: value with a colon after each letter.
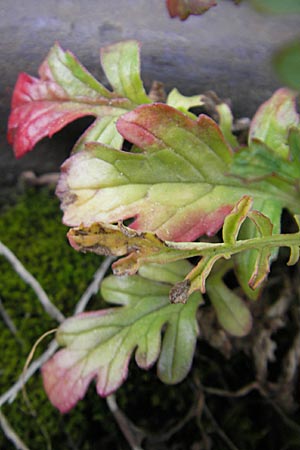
x: 227, y: 50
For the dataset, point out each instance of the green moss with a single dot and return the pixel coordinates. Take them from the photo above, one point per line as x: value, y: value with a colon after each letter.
x: 32, y: 229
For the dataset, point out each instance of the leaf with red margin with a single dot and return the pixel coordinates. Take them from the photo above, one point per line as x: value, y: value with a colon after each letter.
x: 66, y: 91
x: 184, y: 8
x: 177, y: 186
x: 100, y: 344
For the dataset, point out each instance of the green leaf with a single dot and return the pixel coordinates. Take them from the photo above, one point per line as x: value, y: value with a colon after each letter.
x: 99, y: 344
x: 260, y: 162
x: 178, y: 187
x: 102, y: 130
x: 121, y: 63
x: 75, y: 80
x: 262, y: 264
x: 226, y: 123
x: 198, y: 276
x: 183, y: 103
x: 171, y: 273
x: 252, y: 266
x: 277, y: 6
x: 232, y: 313
x: 235, y: 219
x: 287, y: 64
x: 294, y: 145
x: 273, y: 120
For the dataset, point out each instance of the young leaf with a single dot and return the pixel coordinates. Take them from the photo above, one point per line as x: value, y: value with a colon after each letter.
x: 183, y: 103
x: 121, y: 64
x: 198, y: 276
x: 226, y: 123
x: 184, y: 8
x: 66, y: 91
x: 273, y: 120
x: 99, y: 344
x: 261, y: 162
x: 235, y: 219
x: 102, y: 130
x: 254, y: 265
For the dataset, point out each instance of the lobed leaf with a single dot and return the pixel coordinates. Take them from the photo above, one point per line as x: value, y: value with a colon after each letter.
x: 177, y: 187
x: 99, y: 344
x: 66, y: 91
x: 178, y: 184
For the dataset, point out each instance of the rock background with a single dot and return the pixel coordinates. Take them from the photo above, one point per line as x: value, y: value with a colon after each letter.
x: 227, y: 50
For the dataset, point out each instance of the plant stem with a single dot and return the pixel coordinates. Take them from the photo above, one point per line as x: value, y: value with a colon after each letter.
x: 190, y: 249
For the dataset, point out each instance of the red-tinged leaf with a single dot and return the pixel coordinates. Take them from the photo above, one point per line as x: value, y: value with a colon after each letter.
x: 28, y: 124
x: 66, y: 91
x: 184, y: 8
x: 177, y: 187
x: 64, y: 395
x: 99, y: 344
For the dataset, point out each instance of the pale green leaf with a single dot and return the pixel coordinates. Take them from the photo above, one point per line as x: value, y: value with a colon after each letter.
x: 102, y: 130
x: 226, y: 123
x: 167, y: 273
x: 121, y: 63
x: 183, y: 103
x: 99, y: 344
x: 248, y: 263
x: 76, y: 81
x: 273, y: 120
x: 232, y: 313
x: 235, y: 219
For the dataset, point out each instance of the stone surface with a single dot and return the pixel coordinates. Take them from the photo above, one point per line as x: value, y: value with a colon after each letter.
x: 227, y: 50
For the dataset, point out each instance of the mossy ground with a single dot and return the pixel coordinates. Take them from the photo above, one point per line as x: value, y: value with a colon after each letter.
x: 32, y: 229
x: 183, y: 417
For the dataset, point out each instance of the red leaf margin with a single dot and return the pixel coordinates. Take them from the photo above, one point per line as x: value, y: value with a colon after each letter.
x: 36, y: 112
